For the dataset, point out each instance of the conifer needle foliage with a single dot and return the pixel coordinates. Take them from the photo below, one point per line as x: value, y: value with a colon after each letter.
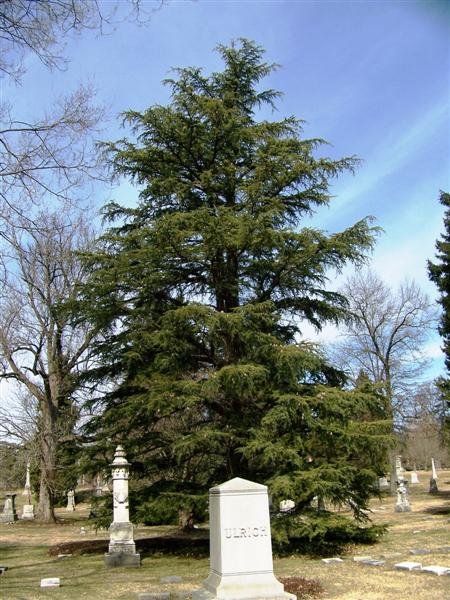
x: 202, y: 289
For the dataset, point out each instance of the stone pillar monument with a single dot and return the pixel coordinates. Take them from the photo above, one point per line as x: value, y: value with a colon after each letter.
x: 122, y: 549
x: 27, y: 489
x: 28, y: 508
x: 399, y: 472
x: 434, y: 474
x: 433, y: 480
x: 9, y: 514
x: 70, y: 500
x: 240, y: 545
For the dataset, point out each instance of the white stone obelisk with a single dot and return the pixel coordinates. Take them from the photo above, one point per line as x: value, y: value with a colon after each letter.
x: 122, y: 549
x: 434, y: 474
x: 28, y: 508
x: 399, y: 472
x: 27, y: 490
x: 240, y: 545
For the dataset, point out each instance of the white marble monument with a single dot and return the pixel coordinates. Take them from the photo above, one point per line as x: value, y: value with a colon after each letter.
x: 70, y: 501
x: 414, y: 477
x: 241, y: 566
x: 122, y: 549
x: 9, y: 514
x: 28, y: 508
x: 434, y: 474
x: 399, y: 471
x: 402, y: 504
x: 27, y: 489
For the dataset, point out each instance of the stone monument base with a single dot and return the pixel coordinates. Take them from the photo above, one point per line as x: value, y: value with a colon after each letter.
x: 402, y: 508
x: 122, y: 559
x: 252, y: 586
x: 122, y: 549
x: 28, y: 512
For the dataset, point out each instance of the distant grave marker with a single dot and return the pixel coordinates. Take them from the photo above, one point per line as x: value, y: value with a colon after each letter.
x: 50, y: 582
x: 436, y: 570
x: 409, y: 565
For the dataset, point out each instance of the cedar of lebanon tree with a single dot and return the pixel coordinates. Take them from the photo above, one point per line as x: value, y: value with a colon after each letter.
x: 439, y: 273
x: 201, y: 291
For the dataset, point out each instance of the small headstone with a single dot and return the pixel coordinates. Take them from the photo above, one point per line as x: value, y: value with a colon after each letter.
x: 287, y: 505
x: 408, y: 565
x: 402, y: 504
x: 171, y: 579
x: 82, y: 531
x: 414, y: 477
x: 373, y: 563
x: 9, y: 514
x: 70, y: 500
x: 241, y: 563
x: 3, y: 570
x: 27, y: 512
x: 383, y: 483
x: 330, y: 561
x: 437, y: 570
x: 154, y: 596
x: 50, y: 582
x: 419, y: 551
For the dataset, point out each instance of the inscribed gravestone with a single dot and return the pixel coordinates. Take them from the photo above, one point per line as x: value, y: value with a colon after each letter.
x: 241, y: 565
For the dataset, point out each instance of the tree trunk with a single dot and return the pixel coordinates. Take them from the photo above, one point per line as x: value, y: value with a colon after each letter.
x: 45, y: 510
x: 47, y: 441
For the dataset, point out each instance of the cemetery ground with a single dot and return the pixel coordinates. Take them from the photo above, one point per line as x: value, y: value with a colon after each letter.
x: 30, y: 551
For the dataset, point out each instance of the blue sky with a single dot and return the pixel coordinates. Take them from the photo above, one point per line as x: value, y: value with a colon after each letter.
x: 372, y: 78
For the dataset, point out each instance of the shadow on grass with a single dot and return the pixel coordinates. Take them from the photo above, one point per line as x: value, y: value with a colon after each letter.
x: 443, y: 509
x: 193, y: 547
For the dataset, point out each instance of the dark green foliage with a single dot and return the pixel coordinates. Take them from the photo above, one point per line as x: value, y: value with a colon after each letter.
x: 439, y: 273
x: 201, y: 291
x: 321, y: 533
x: 12, y: 466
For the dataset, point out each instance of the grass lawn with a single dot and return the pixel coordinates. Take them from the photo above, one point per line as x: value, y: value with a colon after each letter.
x: 24, y: 549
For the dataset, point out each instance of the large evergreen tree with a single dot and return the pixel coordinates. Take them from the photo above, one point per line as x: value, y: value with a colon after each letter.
x: 439, y: 273
x: 202, y: 290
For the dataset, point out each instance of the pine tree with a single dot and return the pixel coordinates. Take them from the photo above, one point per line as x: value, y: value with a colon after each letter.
x: 202, y: 290
x: 439, y: 273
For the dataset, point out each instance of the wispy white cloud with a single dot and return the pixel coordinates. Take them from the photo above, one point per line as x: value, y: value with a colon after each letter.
x: 394, y: 151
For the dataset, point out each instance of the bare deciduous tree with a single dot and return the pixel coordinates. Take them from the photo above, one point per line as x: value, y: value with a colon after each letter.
x: 384, y: 339
x: 40, y: 349
x: 385, y: 334
x: 424, y: 437
x: 51, y: 156
x: 41, y: 27
x: 54, y: 153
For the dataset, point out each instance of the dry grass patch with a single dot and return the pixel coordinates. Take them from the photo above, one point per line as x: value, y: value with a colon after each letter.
x: 24, y: 548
